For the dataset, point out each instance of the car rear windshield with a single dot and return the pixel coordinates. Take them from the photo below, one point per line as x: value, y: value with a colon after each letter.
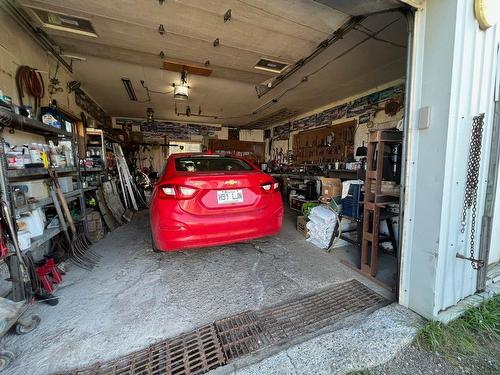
x: 211, y: 164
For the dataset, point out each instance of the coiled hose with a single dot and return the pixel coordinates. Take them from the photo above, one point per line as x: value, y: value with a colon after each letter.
x: 30, y: 80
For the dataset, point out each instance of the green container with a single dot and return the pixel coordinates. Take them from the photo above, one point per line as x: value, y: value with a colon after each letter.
x: 307, y: 207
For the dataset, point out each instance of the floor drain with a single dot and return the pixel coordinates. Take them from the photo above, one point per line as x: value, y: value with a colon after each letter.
x: 212, y: 345
x: 193, y: 353
x: 241, y: 334
x: 314, y: 312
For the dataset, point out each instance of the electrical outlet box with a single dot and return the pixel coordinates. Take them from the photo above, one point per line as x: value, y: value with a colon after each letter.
x: 424, y: 117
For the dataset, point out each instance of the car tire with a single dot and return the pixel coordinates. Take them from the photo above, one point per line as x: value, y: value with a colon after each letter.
x: 153, y: 245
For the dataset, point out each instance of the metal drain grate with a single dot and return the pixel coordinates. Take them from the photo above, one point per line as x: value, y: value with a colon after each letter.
x: 193, y: 353
x: 241, y: 334
x: 210, y: 346
x: 317, y: 311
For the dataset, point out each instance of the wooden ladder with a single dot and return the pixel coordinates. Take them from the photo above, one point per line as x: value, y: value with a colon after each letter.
x: 375, y: 200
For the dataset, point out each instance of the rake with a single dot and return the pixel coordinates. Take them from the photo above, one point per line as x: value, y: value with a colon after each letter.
x: 79, y: 246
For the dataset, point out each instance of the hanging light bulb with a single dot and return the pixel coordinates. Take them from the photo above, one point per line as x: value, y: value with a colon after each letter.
x: 181, y: 92
x: 150, y: 115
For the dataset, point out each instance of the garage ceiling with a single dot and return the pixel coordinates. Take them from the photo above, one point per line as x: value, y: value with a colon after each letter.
x: 129, y: 45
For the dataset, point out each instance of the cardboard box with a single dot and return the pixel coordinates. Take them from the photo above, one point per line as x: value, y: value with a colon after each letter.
x: 301, y: 226
x: 331, y: 187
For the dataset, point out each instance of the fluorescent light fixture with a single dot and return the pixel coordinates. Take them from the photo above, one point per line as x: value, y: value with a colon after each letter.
x: 271, y: 65
x: 129, y: 89
x: 74, y: 57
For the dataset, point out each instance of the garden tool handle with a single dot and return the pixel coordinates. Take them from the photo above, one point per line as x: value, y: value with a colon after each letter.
x: 60, y: 215
x: 65, y: 208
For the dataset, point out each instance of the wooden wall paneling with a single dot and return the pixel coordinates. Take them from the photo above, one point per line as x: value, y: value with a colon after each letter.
x: 254, y: 151
x: 309, y: 145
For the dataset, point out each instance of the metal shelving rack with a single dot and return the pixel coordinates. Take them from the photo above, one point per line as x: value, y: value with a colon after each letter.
x: 21, y: 123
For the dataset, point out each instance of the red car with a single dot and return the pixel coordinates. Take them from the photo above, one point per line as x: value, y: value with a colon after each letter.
x: 209, y: 199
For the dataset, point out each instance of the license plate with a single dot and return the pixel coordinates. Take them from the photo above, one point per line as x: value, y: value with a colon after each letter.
x: 229, y: 196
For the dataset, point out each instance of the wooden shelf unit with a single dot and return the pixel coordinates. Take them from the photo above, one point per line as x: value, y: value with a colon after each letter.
x: 375, y: 200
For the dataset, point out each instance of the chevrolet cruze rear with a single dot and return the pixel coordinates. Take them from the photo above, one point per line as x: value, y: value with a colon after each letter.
x: 206, y: 200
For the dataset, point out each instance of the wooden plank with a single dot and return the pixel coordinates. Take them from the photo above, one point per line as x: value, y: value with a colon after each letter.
x: 113, y: 200
x: 107, y: 215
x: 174, y: 66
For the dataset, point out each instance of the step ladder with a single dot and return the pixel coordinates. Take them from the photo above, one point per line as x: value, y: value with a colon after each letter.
x: 126, y: 180
x: 375, y: 200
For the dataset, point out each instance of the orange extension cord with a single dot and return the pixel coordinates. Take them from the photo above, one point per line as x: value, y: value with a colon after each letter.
x: 31, y: 80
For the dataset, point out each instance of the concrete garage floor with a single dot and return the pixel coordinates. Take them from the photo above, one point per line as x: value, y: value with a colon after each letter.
x: 136, y: 297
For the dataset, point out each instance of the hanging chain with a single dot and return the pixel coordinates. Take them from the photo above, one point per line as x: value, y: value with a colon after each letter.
x: 470, y: 197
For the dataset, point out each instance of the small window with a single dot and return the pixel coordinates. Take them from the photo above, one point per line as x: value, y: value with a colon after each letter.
x: 211, y: 164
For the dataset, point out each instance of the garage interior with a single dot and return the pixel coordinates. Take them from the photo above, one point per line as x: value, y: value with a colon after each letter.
x: 96, y: 95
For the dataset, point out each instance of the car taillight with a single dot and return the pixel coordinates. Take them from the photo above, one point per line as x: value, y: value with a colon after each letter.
x: 270, y: 187
x: 169, y: 191
x: 177, y: 192
x: 186, y: 192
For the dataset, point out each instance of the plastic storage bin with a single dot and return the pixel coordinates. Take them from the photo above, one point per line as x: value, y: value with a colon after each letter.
x: 37, y: 189
x: 24, y: 239
x: 33, y: 222
x: 66, y: 184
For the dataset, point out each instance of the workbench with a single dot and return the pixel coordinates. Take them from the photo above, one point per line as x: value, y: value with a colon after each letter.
x: 343, y: 174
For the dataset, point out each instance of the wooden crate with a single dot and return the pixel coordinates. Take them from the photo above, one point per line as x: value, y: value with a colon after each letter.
x: 301, y: 226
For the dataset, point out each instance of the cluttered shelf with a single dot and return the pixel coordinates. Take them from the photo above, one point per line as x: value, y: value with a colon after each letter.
x: 91, y: 170
x: 31, y: 172
x: 339, y: 173
x: 48, y: 234
x: 15, y: 121
x: 70, y: 196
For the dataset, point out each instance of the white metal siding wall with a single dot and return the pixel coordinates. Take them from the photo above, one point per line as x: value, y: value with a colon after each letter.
x: 430, y: 83
x: 472, y: 92
x: 454, y: 75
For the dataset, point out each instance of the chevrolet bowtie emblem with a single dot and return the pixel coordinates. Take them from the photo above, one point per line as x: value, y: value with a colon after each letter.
x: 230, y: 182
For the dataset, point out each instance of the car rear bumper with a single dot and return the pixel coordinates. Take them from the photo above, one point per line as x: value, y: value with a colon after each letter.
x: 174, y: 229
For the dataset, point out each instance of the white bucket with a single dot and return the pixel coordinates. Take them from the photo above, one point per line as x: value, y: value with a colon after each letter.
x: 24, y: 239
